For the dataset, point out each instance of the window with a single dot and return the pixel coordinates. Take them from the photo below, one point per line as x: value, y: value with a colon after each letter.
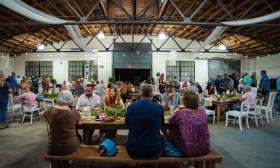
x: 183, y: 71
x: 38, y: 68
x: 79, y: 69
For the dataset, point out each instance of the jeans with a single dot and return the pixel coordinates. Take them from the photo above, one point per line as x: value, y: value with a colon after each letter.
x: 3, y: 108
x: 278, y: 96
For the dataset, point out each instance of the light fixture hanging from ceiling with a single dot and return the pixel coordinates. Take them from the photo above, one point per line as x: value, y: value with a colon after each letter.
x: 161, y: 35
x: 100, y: 35
x: 40, y: 46
x: 222, y: 47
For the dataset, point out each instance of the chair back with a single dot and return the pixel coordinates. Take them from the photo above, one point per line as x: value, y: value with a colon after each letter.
x: 258, y: 105
x: 254, y: 90
x: 244, y: 109
x: 271, y: 100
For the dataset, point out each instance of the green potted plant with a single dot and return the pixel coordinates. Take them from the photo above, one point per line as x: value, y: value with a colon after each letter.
x: 112, y: 79
x: 151, y: 80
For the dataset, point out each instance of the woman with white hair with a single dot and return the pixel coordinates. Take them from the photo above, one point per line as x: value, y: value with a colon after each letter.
x: 62, y: 124
x: 5, y: 89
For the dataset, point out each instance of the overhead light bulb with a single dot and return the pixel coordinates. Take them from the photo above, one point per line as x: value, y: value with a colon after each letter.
x: 40, y: 46
x: 161, y: 35
x: 222, y: 47
x: 100, y: 35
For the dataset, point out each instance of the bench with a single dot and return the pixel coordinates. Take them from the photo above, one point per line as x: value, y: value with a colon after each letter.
x: 89, y: 153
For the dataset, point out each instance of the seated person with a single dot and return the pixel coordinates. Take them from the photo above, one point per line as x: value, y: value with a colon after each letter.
x: 190, y: 135
x: 170, y: 97
x: 112, y: 101
x: 62, y: 125
x: 144, y: 120
x: 78, y: 89
x: 28, y: 98
x: 209, y: 90
x: 88, y: 99
x: 249, y: 96
x: 114, y: 98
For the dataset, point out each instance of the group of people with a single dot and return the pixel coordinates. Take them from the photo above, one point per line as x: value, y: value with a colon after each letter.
x: 144, y: 120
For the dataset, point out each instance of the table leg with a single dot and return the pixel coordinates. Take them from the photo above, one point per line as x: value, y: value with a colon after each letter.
x: 87, y: 136
x: 218, y: 112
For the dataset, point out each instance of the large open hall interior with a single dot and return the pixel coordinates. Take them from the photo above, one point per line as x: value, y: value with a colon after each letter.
x: 139, y: 83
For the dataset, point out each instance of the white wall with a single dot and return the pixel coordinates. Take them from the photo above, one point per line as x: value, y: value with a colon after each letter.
x: 60, y: 63
x: 269, y: 63
x: 104, y: 59
x: 6, y: 64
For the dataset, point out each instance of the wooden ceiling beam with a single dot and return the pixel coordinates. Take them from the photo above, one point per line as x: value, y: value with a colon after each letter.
x: 163, y: 8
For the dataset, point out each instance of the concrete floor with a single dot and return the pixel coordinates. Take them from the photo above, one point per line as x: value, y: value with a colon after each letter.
x: 24, y: 145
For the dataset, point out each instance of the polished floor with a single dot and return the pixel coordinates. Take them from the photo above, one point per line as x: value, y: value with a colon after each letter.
x: 24, y: 145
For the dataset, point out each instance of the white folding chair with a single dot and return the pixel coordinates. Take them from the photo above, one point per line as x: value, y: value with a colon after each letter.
x: 48, y: 103
x: 238, y: 114
x: 29, y: 112
x: 209, y: 112
x: 269, y: 107
x: 13, y: 108
x: 256, y: 112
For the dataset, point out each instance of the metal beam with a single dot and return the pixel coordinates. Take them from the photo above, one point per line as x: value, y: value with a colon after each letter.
x: 171, y: 35
x: 120, y: 6
x: 226, y: 9
x: 145, y: 9
x: 72, y: 8
x: 138, y: 22
x: 268, y: 5
x: 163, y: 8
x: 198, y: 9
x: 93, y: 8
x: 249, y: 9
x: 22, y: 41
x: 178, y: 10
x: 134, y: 6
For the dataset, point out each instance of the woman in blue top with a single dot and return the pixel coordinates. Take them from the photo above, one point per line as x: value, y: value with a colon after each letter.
x: 5, y: 89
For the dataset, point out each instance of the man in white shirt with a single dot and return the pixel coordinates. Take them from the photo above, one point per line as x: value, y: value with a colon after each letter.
x: 88, y: 99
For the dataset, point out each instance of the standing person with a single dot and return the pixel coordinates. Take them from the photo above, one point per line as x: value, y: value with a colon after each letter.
x: 5, y: 89
x: 13, y: 82
x: 231, y: 83
x: 99, y: 90
x: 264, y: 86
x: 217, y: 84
x: 62, y: 123
x: 157, y: 81
x: 191, y: 134
x: 162, y: 84
x: 144, y: 120
x: 78, y: 89
x: 46, y: 83
x: 254, y: 78
x: 247, y: 79
x: 278, y: 89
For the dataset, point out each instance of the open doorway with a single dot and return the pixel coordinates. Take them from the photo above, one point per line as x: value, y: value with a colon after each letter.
x: 135, y: 76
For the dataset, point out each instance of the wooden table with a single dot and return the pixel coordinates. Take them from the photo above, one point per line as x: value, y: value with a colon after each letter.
x: 221, y: 103
x: 89, y: 125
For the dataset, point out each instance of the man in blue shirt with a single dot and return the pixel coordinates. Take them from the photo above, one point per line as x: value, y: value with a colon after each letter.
x: 217, y: 84
x: 13, y: 81
x: 144, y: 120
x: 264, y: 85
x: 278, y: 89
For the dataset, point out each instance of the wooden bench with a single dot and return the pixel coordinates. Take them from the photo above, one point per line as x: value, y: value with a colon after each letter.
x: 89, y: 153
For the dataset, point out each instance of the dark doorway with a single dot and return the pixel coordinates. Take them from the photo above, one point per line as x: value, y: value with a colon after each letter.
x: 135, y: 76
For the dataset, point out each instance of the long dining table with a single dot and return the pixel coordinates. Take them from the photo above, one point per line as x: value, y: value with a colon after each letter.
x: 89, y: 124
